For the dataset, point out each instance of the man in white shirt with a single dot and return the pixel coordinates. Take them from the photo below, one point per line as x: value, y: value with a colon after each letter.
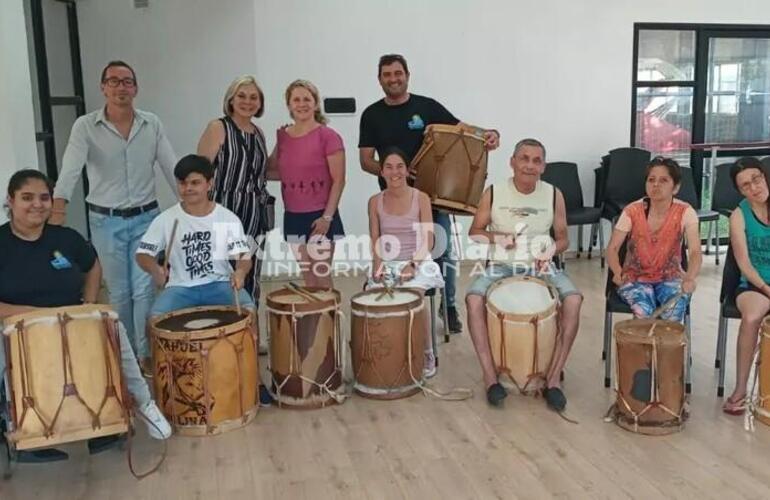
x: 119, y: 146
x: 199, y: 250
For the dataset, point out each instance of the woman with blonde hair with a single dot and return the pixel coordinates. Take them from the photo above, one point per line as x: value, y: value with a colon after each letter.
x: 309, y: 160
x: 235, y: 145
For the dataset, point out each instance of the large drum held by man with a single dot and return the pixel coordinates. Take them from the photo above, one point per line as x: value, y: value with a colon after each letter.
x: 387, y: 343
x: 650, y: 376
x: 451, y: 167
x: 522, y: 325
x: 64, y: 376
x: 206, y: 368
x: 306, y: 347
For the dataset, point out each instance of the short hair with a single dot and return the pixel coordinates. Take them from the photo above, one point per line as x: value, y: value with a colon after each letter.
x: 389, y: 59
x: 20, y: 178
x: 392, y: 150
x: 671, y: 166
x: 227, y: 105
x: 529, y: 142
x: 193, y: 164
x: 745, y: 163
x: 307, y: 85
x: 117, y: 64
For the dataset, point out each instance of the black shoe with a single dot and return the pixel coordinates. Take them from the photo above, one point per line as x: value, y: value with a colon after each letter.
x: 455, y: 326
x: 265, y: 399
x: 496, y: 393
x: 104, y: 443
x: 555, y: 399
x: 40, y: 456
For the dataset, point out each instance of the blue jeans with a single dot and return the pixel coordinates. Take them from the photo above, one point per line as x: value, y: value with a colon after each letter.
x: 132, y: 376
x: 217, y: 293
x: 447, y: 260
x: 131, y: 289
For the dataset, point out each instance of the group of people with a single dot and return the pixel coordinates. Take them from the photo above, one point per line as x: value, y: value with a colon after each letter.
x: 201, y: 251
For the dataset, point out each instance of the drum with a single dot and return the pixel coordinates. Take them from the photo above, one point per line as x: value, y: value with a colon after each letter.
x: 388, y: 343
x: 305, y: 347
x: 206, y: 368
x: 64, y: 376
x: 522, y: 325
x: 650, y: 376
x: 761, y: 402
x: 451, y: 167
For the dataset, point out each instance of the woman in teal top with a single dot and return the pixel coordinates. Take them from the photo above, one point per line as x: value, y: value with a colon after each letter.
x: 750, y: 240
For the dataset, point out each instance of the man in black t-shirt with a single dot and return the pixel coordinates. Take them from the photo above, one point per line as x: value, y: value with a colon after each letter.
x: 400, y: 119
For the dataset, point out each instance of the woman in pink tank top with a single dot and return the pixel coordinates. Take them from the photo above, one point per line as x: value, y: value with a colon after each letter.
x: 401, y: 231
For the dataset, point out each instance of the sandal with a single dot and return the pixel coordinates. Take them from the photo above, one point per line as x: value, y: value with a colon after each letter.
x: 735, y: 407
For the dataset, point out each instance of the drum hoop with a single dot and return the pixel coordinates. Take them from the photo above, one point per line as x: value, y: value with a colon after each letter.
x: 51, y: 316
x: 676, y: 338
x: 303, y: 308
x: 386, y: 310
x: 520, y: 318
x: 455, y: 129
x: 200, y: 334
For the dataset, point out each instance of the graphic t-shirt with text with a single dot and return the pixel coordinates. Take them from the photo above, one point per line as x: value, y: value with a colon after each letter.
x: 202, y: 246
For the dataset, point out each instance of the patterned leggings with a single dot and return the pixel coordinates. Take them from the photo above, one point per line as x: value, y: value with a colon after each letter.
x: 644, y: 298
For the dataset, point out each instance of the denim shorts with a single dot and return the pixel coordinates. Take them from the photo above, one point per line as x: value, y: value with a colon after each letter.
x: 495, y: 272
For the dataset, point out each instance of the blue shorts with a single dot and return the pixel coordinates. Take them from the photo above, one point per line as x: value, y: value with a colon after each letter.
x: 298, y: 226
x: 495, y: 272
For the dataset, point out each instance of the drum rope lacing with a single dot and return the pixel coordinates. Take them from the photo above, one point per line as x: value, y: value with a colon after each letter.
x: 613, y: 414
x: 454, y: 394
x: 439, y: 158
x: 755, y: 402
x: 295, y: 364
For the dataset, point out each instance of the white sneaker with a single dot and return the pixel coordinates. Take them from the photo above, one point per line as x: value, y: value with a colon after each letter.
x: 430, y: 368
x: 156, y: 423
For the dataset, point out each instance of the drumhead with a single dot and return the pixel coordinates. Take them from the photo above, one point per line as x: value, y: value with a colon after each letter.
x: 520, y: 297
x: 280, y: 297
x: 199, y: 320
x: 399, y: 297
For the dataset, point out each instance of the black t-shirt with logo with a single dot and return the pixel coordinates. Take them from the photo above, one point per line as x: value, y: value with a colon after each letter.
x: 402, y: 125
x: 48, y: 272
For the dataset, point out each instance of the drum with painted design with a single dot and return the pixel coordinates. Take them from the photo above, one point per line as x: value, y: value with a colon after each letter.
x: 522, y: 325
x: 64, y: 377
x: 206, y: 368
x: 306, y: 347
x: 387, y: 343
x: 650, y: 376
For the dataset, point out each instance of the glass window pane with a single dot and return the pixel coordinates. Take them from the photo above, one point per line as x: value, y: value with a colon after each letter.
x: 738, y: 98
x: 664, y: 121
x: 666, y: 55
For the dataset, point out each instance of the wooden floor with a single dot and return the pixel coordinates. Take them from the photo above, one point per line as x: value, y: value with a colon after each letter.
x: 425, y: 448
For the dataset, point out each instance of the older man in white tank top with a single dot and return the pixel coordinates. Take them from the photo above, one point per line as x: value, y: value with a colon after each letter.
x: 517, y: 218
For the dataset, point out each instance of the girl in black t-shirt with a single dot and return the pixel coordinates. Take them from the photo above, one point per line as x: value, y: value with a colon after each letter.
x: 53, y: 266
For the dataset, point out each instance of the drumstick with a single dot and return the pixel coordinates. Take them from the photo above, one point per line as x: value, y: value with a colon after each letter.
x: 237, y: 300
x: 667, y: 305
x: 170, y: 245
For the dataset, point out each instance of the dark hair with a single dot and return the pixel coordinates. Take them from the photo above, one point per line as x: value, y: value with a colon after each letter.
x: 117, y: 64
x: 20, y: 179
x: 193, y: 164
x: 742, y: 164
x: 389, y: 59
x: 392, y: 150
x: 671, y: 166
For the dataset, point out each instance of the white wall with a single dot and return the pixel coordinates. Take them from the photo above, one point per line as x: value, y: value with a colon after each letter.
x: 557, y: 70
x: 17, y: 127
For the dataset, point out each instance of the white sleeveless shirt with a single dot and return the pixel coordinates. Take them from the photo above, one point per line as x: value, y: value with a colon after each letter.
x: 530, y: 216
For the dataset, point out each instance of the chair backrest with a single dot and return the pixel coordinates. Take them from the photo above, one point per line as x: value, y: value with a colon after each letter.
x: 564, y: 175
x: 766, y: 163
x: 687, y: 188
x: 625, y: 176
x: 725, y: 196
x: 731, y: 276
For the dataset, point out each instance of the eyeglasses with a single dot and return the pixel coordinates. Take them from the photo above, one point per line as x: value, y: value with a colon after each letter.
x: 114, y: 82
x: 755, y: 180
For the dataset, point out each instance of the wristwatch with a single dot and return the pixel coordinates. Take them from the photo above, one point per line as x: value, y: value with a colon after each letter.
x: 327, y: 218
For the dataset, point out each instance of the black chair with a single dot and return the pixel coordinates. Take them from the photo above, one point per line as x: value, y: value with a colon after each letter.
x: 731, y: 276
x: 766, y: 163
x: 687, y: 194
x: 624, y: 180
x: 564, y: 175
x: 615, y: 305
x: 724, y: 198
